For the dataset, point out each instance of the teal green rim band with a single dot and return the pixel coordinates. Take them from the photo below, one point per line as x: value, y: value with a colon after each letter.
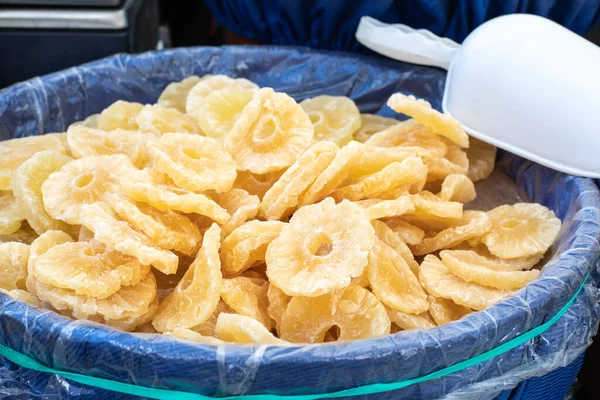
x: 27, y: 362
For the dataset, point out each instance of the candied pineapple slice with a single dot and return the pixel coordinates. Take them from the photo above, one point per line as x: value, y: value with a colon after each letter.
x: 444, y: 311
x: 209, y: 84
x: 12, y: 213
x: 39, y: 246
x: 221, y: 108
x: 236, y: 328
x: 175, y: 94
x: 408, y: 322
x: 158, y: 120
x: 335, y: 118
x: 119, y: 115
x: 457, y: 188
x: 13, y: 265
x: 183, y: 333
x: 240, y: 204
x: 378, y: 209
x: 248, y: 296
x: 482, y: 157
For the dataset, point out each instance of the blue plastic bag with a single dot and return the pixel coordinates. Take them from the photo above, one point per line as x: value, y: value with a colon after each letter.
x: 51, y: 103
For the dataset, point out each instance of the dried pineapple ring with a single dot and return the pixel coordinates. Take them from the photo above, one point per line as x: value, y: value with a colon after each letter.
x: 12, y: 213
x: 521, y: 230
x: 240, y: 204
x: 88, y: 142
x: 247, y: 245
x: 242, y: 329
x: 27, y: 186
x: 168, y: 229
x: 421, y: 110
x: 221, y: 108
x: 194, y: 162
x: 371, y: 124
x: 128, y: 302
x: 138, y: 187
x: 13, y: 265
x: 22, y: 295
x: 378, y: 209
x: 473, y: 224
x: 159, y: 120
x: 444, y: 311
x: 410, y: 171
x: 175, y: 94
x: 409, y: 234
x: 334, y: 118
x: 15, y: 152
x: 497, y: 278
x: 207, y: 328
x: 480, y: 257
x: 374, y: 159
x: 88, y: 268
x: 131, y: 323
x: 334, y: 174
x: 392, y: 239
x: 482, y: 157
x: 209, y: 84
x: 437, y: 279
x: 407, y: 321
x: 183, y: 333
x: 248, y: 296
x: 410, y: 136
x: 278, y: 302
x: 457, y: 188
x: 119, y: 115
x: 322, y: 248
x: 196, y: 296
x: 454, y: 162
x: 270, y: 134
x: 256, y: 185
x: 120, y: 236
x: 354, y: 310
x: 39, y: 246
x: 81, y: 182
x: 393, y: 282
x: 283, y: 196
x: 432, y: 213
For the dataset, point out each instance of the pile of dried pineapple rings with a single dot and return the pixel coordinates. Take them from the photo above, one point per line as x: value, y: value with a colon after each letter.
x: 230, y: 213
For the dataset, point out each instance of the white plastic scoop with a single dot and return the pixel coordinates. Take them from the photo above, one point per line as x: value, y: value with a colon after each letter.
x: 520, y: 82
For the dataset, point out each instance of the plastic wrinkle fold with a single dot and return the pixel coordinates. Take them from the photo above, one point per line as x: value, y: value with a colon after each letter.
x: 51, y: 103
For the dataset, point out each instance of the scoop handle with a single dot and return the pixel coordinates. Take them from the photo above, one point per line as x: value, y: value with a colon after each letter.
x: 403, y: 43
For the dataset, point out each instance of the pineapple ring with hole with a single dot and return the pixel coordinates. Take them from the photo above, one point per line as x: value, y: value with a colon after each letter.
x: 334, y: 118
x: 221, y: 108
x: 355, y: 311
x: 195, y: 163
x: 209, y: 84
x: 270, y: 134
x: 521, y: 230
x: 175, y: 94
x: 322, y: 248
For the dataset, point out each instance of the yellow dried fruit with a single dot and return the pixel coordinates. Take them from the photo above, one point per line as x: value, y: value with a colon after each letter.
x: 278, y: 302
x: 221, y: 108
x: 334, y: 118
x: 521, y: 230
x: 196, y: 296
x: 392, y: 239
x: 175, y: 94
x: 410, y: 171
x: 444, y: 311
x: 393, y: 282
x: 354, y: 310
x: 256, y: 185
x: 479, y: 273
x: 88, y: 142
x: 378, y: 209
x: 195, y: 163
x: 248, y: 296
x: 119, y: 115
x: 81, y: 182
x: 131, y: 323
x: 454, y: 162
x: 270, y: 134
x: 127, y: 304
x: 371, y: 124
x: 243, y: 329
x: 322, y: 248
x: 247, y: 245
x: 207, y: 328
x: 12, y: 213
x: 493, y: 262
x: 159, y: 120
x: 22, y: 295
x: 421, y: 110
x: 209, y: 84
x: 482, y: 157
x: 168, y: 229
x: 334, y: 174
x: 27, y: 186
x: 409, y: 234
x: 90, y: 121
x: 432, y: 213
x: 437, y: 279
x: 15, y: 152
x: 473, y: 224
x: 457, y: 188
x: 88, y: 268
x: 408, y: 322
x: 183, y: 333
x: 409, y: 137
x: 139, y: 187
x: 39, y: 246
x: 282, y: 198
x: 240, y: 204
x: 13, y: 265
x: 120, y: 236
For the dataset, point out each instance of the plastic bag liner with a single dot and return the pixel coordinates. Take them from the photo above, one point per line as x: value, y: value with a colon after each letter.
x: 569, y: 318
